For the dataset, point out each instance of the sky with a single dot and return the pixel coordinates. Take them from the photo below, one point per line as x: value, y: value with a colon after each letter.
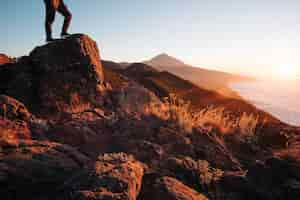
x: 257, y: 37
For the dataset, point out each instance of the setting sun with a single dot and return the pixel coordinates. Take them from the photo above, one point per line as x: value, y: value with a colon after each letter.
x: 286, y: 72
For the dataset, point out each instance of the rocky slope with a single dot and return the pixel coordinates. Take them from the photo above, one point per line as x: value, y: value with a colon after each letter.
x: 72, y: 128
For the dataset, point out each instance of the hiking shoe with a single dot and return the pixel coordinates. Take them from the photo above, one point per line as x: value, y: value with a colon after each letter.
x: 64, y: 35
x: 50, y: 39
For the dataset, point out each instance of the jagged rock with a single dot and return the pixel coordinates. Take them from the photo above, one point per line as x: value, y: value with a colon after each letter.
x: 168, y: 188
x: 12, y: 109
x: 116, y: 176
x: 37, y: 170
x: 4, y: 59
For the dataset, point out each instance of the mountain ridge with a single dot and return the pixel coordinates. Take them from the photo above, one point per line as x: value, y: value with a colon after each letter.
x: 210, y: 79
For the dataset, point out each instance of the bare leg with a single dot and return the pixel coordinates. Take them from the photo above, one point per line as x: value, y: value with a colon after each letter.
x: 63, y: 9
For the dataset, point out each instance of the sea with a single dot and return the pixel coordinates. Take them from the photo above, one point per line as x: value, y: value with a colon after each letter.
x: 281, y: 98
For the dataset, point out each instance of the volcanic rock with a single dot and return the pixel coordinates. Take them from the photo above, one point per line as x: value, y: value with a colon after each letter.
x: 116, y: 176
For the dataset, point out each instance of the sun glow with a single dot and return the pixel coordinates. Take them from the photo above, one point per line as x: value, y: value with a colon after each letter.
x: 287, y: 72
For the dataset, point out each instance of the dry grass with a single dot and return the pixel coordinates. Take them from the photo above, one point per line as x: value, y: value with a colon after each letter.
x: 178, y: 112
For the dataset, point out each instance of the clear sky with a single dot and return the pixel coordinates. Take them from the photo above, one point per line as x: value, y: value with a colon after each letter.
x: 255, y: 37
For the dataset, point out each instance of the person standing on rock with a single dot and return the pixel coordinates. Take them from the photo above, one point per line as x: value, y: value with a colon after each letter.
x: 53, y: 6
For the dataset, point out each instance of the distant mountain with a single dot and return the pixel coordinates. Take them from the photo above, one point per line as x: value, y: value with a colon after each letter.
x: 209, y: 79
x: 164, y: 60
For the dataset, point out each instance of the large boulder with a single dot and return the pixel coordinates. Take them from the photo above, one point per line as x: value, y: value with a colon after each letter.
x: 71, y: 74
x: 60, y: 77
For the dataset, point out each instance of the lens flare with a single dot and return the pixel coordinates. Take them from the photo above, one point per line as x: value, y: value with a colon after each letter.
x: 287, y: 72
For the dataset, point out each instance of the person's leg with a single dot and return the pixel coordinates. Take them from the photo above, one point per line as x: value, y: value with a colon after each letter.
x: 50, y: 17
x: 63, y: 9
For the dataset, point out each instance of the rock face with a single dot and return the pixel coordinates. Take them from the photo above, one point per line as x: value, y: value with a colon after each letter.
x: 71, y: 73
x: 4, y: 59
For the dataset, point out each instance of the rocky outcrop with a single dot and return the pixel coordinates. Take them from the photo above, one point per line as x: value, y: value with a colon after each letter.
x: 68, y: 148
x: 4, y: 59
x: 115, y: 176
x: 71, y: 74
x: 62, y: 76
x: 168, y: 188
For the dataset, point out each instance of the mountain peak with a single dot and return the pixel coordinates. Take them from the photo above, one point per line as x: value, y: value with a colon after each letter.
x: 165, y: 60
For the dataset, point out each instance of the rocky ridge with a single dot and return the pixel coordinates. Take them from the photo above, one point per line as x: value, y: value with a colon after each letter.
x: 72, y: 128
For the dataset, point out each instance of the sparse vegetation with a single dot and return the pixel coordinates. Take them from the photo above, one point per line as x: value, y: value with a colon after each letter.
x: 178, y: 112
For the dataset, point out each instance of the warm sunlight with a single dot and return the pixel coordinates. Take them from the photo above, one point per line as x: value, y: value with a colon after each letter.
x: 286, y: 72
